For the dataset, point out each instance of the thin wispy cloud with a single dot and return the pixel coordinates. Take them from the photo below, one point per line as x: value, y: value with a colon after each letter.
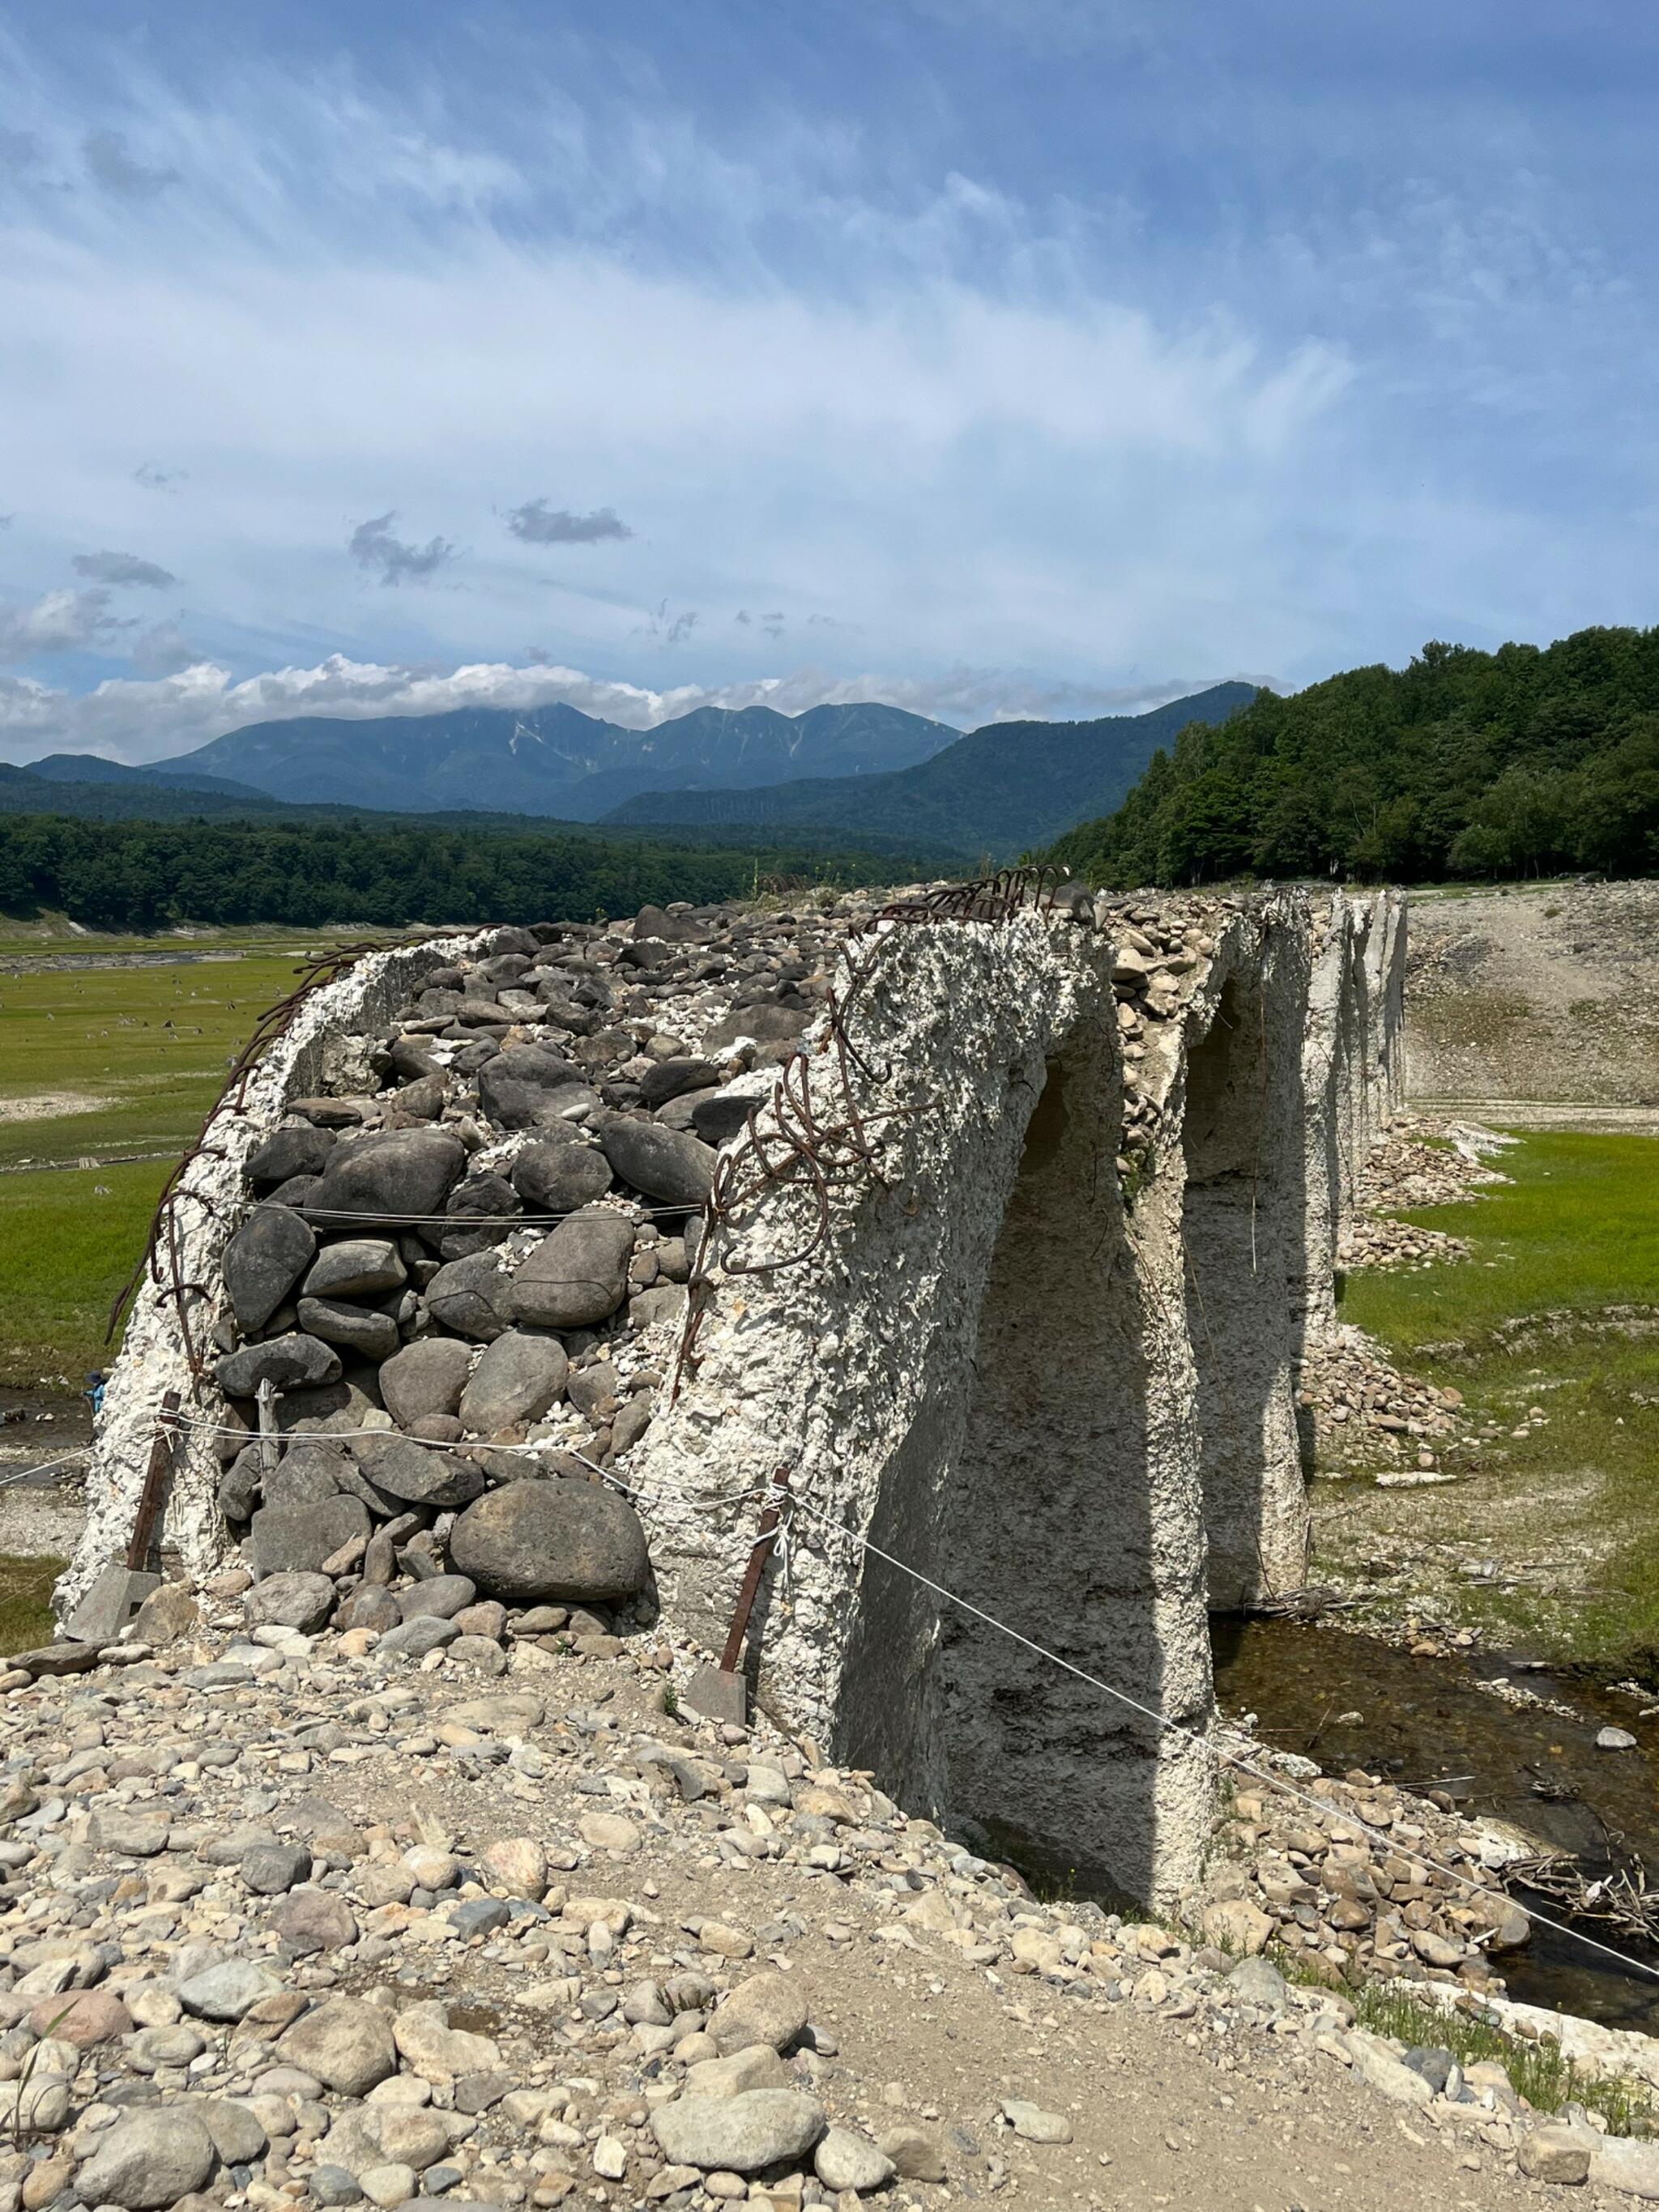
x: 111, y: 165
x: 539, y: 524
x: 123, y: 569
x: 392, y: 560
x: 154, y: 479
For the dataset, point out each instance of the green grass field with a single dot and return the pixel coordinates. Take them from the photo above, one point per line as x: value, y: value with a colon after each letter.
x: 1574, y: 1237
x: 127, y: 1060
x: 26, y: 1620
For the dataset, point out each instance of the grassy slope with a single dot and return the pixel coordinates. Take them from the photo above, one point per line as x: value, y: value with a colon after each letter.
x: 69, y: 1238
x: 1577, y: 1233
x: 26, y: 1620
x: 151, y: 1043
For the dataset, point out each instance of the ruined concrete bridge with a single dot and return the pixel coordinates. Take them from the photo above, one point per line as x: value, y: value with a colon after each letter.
x: 1013, y: 1271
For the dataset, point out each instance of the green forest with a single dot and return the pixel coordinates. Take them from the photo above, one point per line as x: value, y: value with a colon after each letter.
x: 145, y: 876
x: 1525, y: 762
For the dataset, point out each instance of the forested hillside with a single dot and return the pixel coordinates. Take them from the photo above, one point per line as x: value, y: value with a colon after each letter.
x: 143, y: 876
x: 1521, y: 762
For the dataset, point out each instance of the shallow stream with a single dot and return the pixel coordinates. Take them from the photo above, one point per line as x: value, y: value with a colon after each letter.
x: 1351, y: 1701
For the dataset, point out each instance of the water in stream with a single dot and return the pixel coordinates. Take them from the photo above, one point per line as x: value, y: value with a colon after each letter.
x: 1349, y: 1701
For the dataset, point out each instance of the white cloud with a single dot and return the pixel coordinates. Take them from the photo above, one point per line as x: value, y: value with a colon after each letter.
x: 872, y: 380
x: 135, y: 720
x: 58, y: 622
x: 937, y: 422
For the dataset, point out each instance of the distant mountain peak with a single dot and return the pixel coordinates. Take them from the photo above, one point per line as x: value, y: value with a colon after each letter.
x: 553, y: 759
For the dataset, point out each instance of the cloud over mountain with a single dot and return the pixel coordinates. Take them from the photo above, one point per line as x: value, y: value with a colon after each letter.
x: 151, y: 718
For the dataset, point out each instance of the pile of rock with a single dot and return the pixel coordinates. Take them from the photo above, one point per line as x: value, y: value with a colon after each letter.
x: 1405, y: 1171
x: 457, y: 1288
x: 1367, y: 1412
x: 603, y: 1958
x: 1162, y: 954
x: 1343, y: 1886
x: 1377, y: 1241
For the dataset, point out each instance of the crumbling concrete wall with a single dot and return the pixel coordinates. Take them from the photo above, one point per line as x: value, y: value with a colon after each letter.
x: 1003, y: 1368
x: 305, y: 1060
x: 1061, y: 1227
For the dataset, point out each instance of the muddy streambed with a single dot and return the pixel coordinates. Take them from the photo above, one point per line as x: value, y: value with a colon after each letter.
x: 1441, y: 1725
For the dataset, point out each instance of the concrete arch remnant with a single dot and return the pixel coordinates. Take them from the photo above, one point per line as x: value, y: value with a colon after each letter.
x: 1046, y: 1357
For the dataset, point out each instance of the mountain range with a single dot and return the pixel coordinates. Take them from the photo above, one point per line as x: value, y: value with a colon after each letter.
x: 547, y: 760
x: 863, y: 770
x: 999, y: 790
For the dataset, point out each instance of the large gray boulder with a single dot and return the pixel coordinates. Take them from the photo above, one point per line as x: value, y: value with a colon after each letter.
x: 666, y: 1164
x: 291, y: 1362
x: 569, y: 1542
x: 300, y: 1151
x: 311, y: 1469
x: 356, y: 1267
x: 483, y: 1209
x: 405, y: 1472
x: 151, y: 2160
x: 673, y: 1078
x: 471, y: 1296
x: 577, y: 1274
x: 518, y: 1377
x: 520, y: 1085
x: 289, y: 1601
x: 425, y: 1377
x: 264, y: 1261
x: 554, y: 1176
x: 394, y: 1175
x: 295, y: 1540
x: 738, y: 2135
x: 371, y: 1335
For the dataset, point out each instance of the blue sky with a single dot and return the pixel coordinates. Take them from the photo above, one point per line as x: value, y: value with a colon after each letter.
x: 992, y: 356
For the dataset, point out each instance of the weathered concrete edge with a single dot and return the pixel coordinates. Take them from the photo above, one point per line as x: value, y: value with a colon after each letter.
x: 152, y: 1359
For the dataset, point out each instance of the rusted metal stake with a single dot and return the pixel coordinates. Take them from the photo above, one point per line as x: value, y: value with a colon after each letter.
x: 155, y: 1478
x: 720, y: 1693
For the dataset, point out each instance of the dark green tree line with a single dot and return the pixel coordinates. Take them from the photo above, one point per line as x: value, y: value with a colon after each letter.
x: 143, y: 876
x: 1528, y: 761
